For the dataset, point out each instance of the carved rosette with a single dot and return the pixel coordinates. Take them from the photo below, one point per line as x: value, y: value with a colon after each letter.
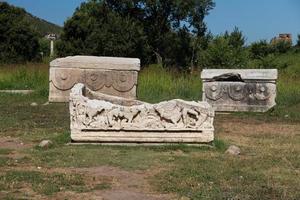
x: 65, y: 78
x: 262, y: 92
x: 124, y: 81
x: 95, y: 79
x: 213, y: 91
x: 238, y: 91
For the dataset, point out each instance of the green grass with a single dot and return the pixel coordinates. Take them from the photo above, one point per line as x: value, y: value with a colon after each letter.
x: 42, y: 183
x: 268, y: 167
x: 4, y: 151
x: 102, y: 186
x: 265, y: 170
x: 29, y: 76
x: 158, y: 84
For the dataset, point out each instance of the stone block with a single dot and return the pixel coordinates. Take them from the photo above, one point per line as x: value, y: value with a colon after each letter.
x: 239, y: 89
x: 109, y: 75
x: 108, y: 119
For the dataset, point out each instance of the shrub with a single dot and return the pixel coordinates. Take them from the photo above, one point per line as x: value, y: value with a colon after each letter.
x: 281, y: 46
x: 225, y: 51
x: 260, y: 49
x: 44, y: 47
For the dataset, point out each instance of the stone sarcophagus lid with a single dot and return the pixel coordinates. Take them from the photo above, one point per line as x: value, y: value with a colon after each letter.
x: 109, y: 75
x: 239, y: 90
x: 97, y: 117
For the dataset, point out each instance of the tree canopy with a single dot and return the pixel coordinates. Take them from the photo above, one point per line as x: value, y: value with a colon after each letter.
x: 153, y: 30
x: 18, y: 41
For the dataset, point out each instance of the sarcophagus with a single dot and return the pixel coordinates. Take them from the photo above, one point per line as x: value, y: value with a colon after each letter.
x: 240, y: 90
x: 109, y: 75
x: 97, y: 117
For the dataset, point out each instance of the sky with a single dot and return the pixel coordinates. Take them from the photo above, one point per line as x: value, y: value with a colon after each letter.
x: 257, y: 19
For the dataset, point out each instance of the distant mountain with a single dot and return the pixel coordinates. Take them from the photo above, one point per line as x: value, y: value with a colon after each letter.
x: 41, y: 26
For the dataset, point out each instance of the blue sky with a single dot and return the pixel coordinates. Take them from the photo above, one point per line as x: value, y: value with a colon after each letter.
x: 258, y: 19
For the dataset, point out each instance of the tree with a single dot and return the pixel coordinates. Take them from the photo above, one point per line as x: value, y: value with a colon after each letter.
x: 225, y: 51
x: 155, y: 30
x: 236, y: 38
x: 18, y: 41
x: 96, y: 30
x: 298, y: 41
x: 260, y: 49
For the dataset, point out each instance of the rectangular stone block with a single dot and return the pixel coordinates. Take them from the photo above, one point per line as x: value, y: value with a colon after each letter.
x: 239, y: 89
x: 109, y: 75
x: 103, y: 118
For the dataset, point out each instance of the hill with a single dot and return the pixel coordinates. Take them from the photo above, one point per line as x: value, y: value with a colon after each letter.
x: 41, y: 26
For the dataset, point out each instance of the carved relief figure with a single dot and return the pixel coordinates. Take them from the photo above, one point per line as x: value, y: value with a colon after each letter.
x: 173, y: 114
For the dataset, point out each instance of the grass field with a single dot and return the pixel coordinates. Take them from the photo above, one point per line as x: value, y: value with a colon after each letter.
x: 268, y: 167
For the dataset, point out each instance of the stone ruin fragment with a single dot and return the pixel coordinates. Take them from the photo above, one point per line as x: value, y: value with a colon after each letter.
x: 98, y: 117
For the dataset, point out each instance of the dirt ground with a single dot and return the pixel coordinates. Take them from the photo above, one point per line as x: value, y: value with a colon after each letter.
x: 134, y: 185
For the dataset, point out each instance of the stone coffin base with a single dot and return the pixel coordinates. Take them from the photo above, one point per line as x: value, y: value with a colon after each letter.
x: 247, y: 90
x: 108, y: 119
x: 142, y: 137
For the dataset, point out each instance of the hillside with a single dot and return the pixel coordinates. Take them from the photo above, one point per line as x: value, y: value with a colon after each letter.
x: 41, y: 26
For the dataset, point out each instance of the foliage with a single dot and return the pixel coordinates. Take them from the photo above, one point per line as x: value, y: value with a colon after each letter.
x: 225, y: 51
x: 44, y: 49
x: 281, y: 46
x: 41, y: 26
x: 95, y: 31
x: 298, y: 41
x: 155, y: 31
x: 260, y: 49
x: 18, y: 41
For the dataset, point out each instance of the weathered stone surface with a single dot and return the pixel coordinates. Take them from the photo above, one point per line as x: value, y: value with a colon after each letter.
x: 33, y: 104
x: 233, y: 150
x: 240, y: 90
x: 109, y: 75
x: 102, y: 118
x: 45, y: 143
x: 17, y: 91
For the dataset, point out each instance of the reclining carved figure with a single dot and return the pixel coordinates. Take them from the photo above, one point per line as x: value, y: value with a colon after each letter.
x: 105, y: 118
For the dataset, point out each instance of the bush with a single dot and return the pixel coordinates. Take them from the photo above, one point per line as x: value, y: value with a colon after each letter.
x: 225, y: 51
x: 260, y: 49
x: 44, y: 47
x: 281, y: 46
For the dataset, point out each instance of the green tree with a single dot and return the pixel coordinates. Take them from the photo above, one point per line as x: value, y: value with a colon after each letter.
x: 298, y: 40
x: 225, y: 51
x: 150, y: 30
x: 96, y: 30
x: 260, y: 49
x: 18, y: 41
x: 281, y: 46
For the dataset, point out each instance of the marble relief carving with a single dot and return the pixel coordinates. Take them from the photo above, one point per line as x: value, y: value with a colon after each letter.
x: 256, y: 91
x: 105, y: 120
x: 100, y: 75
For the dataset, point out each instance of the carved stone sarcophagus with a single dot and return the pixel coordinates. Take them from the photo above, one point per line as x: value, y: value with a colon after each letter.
x: 109, y: 75
x: 97, y: 117
x: 240, y: 90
